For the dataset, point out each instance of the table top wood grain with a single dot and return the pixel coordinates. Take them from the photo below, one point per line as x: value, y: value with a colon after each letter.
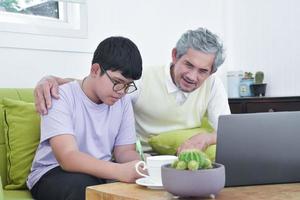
x: 124, y: 191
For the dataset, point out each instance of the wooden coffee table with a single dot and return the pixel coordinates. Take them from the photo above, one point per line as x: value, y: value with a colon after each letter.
x: 124, y: 191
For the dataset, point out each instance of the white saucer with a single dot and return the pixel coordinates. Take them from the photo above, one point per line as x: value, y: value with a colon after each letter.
x: 148, y: 183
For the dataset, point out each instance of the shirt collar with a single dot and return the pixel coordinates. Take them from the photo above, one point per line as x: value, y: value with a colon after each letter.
x: 171, y: 87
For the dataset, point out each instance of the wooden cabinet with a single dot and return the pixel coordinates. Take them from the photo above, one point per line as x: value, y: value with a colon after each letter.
x: 264, y: 104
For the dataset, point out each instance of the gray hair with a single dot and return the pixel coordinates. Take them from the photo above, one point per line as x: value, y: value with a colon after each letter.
x: 203, y: 40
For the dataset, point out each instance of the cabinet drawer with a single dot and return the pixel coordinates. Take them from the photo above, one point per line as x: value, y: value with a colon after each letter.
x: 236, y: 108
x: 272, y: 106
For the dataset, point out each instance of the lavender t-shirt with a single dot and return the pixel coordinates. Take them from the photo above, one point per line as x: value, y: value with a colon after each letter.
x: 97, y: 128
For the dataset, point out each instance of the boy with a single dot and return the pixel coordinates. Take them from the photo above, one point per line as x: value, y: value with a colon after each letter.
x: 90, y: 122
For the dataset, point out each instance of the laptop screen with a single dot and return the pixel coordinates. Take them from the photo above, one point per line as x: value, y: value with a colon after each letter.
x: 259, y: 148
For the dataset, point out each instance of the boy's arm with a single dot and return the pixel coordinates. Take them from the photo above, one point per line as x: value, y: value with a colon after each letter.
x: 125, y: 153
x: 71, y: 159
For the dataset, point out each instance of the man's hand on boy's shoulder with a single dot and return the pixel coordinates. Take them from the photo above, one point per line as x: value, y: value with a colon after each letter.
x: 46, y: 88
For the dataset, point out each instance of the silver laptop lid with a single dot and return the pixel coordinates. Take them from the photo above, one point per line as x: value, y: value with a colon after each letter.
x: 259, y: 148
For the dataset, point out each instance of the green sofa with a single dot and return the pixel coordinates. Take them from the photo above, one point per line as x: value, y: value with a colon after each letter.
x: 17, y: 94
x: 27, y: 95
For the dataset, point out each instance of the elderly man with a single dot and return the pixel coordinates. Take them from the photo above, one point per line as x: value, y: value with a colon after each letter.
x: 172, y: 97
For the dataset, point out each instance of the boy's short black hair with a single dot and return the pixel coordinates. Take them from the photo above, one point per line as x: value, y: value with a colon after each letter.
x: 119, y: 53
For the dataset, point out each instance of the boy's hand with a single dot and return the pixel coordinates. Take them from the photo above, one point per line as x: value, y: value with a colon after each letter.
x: 126, y: 172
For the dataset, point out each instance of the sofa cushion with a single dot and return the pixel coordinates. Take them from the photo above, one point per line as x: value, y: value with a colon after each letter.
x: 168, y: 142
x: 22, y: 132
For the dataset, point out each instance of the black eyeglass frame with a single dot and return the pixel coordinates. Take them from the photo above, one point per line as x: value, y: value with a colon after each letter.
x: 117, y: 86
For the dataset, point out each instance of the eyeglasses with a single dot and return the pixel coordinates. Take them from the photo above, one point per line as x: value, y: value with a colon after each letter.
x: 128, y: 87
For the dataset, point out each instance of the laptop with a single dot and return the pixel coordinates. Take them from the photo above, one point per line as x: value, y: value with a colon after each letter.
x: 259, y: 148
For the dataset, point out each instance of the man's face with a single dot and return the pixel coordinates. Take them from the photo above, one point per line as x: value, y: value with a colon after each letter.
x: 191, y: 69
x: 104, y: 86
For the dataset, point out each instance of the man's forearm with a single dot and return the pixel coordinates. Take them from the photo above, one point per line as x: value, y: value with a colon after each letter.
x: 61, y: 81
x: 213, y: 138
x: 208, y: 138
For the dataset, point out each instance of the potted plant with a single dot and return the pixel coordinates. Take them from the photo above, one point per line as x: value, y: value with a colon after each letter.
x: 245, y: 83
x: 259, y: 88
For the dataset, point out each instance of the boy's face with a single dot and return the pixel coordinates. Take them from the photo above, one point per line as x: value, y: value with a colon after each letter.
x: 191, y: 69
x: 105, y: 89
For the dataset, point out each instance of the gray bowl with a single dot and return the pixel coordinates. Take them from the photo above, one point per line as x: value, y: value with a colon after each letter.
x: 200, y: 183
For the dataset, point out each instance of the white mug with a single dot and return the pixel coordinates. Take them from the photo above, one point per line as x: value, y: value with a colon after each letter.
x: 153, y: 165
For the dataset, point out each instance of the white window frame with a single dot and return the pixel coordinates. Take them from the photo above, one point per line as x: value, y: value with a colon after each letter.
x: 73, y: 25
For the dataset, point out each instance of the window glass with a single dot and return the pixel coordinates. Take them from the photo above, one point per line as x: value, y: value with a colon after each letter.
x: 43, y: 8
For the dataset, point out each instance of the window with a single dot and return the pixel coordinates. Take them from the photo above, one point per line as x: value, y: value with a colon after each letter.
x: 65, y: 18
x: 31, y: 7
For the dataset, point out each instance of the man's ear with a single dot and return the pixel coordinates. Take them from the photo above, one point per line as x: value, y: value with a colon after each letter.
x: 174, y: 53
x: 95, y: 70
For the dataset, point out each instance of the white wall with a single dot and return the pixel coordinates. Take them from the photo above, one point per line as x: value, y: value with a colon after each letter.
x: 23, y: 68
x: 153, y: 25
x: 258, y: 35
x: 264, y: 35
